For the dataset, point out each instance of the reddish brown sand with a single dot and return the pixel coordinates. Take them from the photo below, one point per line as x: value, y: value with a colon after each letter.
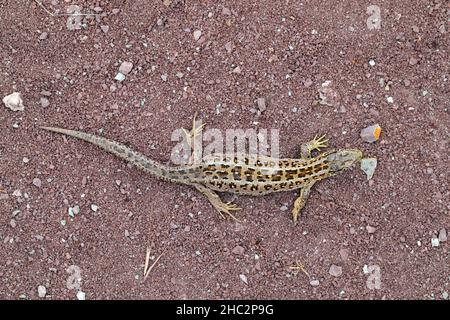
x: 285, y: 50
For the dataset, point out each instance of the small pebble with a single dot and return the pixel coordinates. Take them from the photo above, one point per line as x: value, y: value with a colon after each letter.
x: 43, y: 36
x: 81, y: 295
x: 125, y: 67
x: 12, y: 223
x: 371, y: 62
x: 42, y: 291
x: 413, y: 61
x: 105, y: 29
x: 442, y: 235
x: 284, y: 208
x: 197, y: 35
x: 314, y: 283
x: 44, y: 102
x: 371, y: 133
x: 164, y: 77
x: 368, y: 165
x: 25, y: 160
x: 14, y: 102
x: 308, y: 83
x: 94, y: 207
x: 238, y: 250
x: 370, y: 229
x: 119, y: 77
x: 335, y: 270
x: 390, y: 99
x: 37, y: 182
x: 261, y: 102
x: 243, y: 278
x: 435, y: 242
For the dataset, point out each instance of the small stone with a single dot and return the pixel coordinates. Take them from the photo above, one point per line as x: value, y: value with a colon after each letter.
x: 14, y: 101
x: 261, y: 103
x: 413, y: 61
x: 173, y: 225
x: 81, y: 295
x: 390, y: 100
x: 314, y: 283
x: 370, y: 229
x: 25, y: 160
x: 42, y: 291
x: 226, y: 11
x: 187, y: 229
x: 43, y: 36
x: 415, y: 29
x: 434, y: 242
x: 37, y: 182
x: 371, y: 62
x: 197, y: 35
x: 237, y: 70
x: 442, y: 235
x: 125, y: 67
x: 105, y: 29
x: 308, y: 83
x: 164, y: 77
x: 284, y: 208
x: 76, y: 209
x: 344, y: 253
x: 179, y: 75
x: 335, y: 270
x: 243, y: 278
x: 371, y: 133
x: 94, y: 207
x: 119, y: 77
x: 238, y: 250
x: 445, y: 295
x: 368, y: 165
x: 44, y: 102
x: 12, y: 223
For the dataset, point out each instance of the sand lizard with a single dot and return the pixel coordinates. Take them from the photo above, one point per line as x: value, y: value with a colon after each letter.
x: 247, y: 175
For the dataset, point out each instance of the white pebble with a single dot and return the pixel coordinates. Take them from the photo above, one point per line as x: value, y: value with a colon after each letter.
x: 371, y: 62
x: 81, y: 295
x: 243, y: 278
x: 197, y: 34
x: 120, y: 77
x: 94, y: 207
x: 42, y: 291
x: 390, y: 99
x: 435, y: 242
x: 14, y: 102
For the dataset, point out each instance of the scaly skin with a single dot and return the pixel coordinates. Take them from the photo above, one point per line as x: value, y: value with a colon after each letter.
x: 240, y: 174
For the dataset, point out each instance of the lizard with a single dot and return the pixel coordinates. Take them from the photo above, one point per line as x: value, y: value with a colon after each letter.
x: 252, y: 175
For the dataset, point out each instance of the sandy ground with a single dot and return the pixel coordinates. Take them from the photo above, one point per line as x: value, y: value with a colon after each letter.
x: 356, y: 240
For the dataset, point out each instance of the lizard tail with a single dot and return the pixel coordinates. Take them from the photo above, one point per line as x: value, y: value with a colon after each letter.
x: 139, y: 160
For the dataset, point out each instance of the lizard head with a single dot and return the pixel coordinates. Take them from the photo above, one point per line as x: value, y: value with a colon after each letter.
x: 343, y: 159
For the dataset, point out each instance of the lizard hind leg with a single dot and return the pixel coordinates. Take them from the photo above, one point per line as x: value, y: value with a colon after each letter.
x: 316, y: 143
x: 218, y: 204
x: 300, y: 202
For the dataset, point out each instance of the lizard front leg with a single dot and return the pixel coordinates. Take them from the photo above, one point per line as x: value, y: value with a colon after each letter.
x: 315, y: 144
x: 215, y: 200
x: 301, y: 201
